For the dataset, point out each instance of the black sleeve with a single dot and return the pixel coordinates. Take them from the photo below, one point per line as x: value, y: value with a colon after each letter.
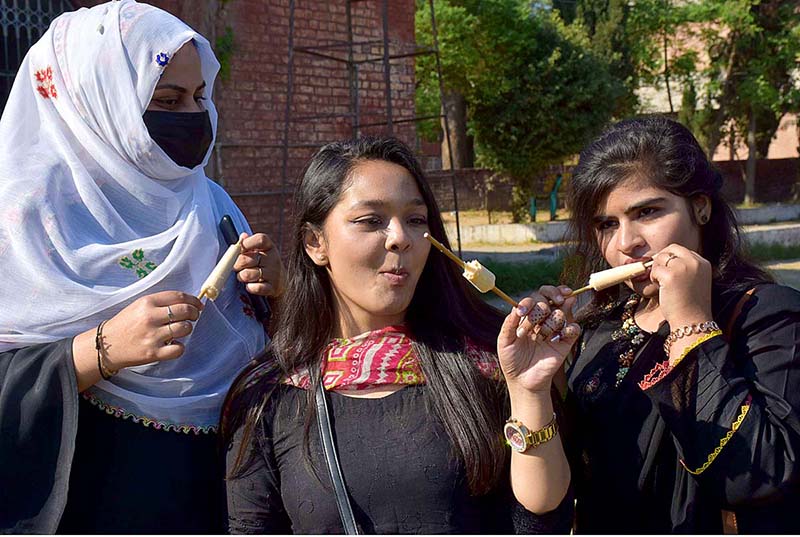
x: 38, y: 425
x: 558, y: 521
x: 253, y: 485
x: 753, y: 382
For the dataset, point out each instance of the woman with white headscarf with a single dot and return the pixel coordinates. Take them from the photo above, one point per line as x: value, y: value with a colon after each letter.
x: 112, y: 372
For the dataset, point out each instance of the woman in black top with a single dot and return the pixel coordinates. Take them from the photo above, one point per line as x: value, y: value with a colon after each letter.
x: 108, y: 228
x: 406, y: 352
x: 685, y: 386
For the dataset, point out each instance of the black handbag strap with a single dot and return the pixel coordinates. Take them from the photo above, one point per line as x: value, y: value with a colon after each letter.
x: 332, y: 461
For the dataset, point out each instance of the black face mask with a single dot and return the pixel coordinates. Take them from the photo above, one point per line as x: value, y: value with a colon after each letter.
x: 184, y: 136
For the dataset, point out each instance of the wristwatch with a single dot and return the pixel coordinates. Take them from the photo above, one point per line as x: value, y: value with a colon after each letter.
x: 521, y: 439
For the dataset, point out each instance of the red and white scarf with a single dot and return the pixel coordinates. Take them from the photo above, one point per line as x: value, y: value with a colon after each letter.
x: 379, y: 358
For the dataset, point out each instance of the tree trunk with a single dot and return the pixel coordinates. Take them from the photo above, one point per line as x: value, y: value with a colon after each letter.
x: 454, y: 106
x: 728, y: 95
x: 666, y: 73
x: 752, y: 156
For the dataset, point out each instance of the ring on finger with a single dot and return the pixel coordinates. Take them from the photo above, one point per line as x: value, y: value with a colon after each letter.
x: 171, y: 335
x: 260, y: 275
x: 170, y: 315
x: 670, y: 258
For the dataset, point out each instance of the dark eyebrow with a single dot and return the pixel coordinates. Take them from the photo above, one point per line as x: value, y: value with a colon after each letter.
x: 635, y: 207
x: 378, y: 203
x: 180, y: 89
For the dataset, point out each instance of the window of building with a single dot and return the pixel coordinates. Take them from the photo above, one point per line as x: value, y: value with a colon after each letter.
x: 22, y: 23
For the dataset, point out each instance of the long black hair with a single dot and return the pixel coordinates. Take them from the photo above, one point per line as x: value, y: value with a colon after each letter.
x: 443, y: 310
x: 668, y: 154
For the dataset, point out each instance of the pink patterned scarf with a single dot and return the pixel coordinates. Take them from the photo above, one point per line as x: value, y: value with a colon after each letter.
x: 379, y: 358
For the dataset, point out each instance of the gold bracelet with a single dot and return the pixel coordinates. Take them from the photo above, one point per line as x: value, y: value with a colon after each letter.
x: 521, y: 439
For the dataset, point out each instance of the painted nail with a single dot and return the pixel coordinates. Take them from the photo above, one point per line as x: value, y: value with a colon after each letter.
x: 522, y: 311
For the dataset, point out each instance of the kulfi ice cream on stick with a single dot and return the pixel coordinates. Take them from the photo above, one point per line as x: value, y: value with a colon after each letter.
x: 479, y: 276
x: 216, y: 280
x: 613, y: 276
x: 482, y: 278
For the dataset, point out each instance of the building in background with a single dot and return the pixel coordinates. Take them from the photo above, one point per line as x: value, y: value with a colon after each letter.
x: 251, y: 38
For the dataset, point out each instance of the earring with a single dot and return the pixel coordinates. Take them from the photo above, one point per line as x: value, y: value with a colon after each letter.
x: 703, y: 218
x: 323, y: 259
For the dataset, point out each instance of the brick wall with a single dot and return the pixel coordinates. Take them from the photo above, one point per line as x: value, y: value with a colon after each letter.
x: 776, y: 180
x: 251, y: 102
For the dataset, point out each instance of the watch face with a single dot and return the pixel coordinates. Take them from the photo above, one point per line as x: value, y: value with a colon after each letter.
x: 515, y: 437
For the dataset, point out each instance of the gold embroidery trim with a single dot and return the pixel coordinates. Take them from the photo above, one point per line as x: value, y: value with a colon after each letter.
x: 722, y: 443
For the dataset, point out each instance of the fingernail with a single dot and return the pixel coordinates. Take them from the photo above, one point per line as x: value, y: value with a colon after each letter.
x: 520, y: 331
x: 522, y: 311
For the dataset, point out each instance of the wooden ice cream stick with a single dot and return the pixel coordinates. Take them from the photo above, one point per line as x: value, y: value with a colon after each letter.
x: 478, y: 275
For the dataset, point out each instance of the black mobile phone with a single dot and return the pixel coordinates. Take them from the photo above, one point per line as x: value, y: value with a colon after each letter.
x: 231, y: 236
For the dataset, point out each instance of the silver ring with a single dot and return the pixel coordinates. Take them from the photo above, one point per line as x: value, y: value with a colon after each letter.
x: 170, y: 315
x: 171, y: 335
x: 671, y: 257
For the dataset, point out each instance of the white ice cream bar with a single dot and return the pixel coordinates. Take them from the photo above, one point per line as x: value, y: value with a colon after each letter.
x: 216, y: 280
x: 606, y: 278
x: 479, y: 276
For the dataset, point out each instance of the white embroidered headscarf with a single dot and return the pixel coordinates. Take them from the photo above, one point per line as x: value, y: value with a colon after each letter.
x: 93, y: 214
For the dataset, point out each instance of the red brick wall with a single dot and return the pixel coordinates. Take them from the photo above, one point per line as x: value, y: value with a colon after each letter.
x: 252, y: 101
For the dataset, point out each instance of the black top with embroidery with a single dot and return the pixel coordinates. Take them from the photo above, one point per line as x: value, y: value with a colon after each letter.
x: 629, y: 440
x: 398, y: 467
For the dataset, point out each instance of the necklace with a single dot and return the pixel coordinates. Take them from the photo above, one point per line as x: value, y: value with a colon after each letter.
x: 628, y: 337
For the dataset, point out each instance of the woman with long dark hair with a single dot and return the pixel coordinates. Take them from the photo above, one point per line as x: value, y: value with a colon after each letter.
x: 684, y: 385
x: 418, y: 382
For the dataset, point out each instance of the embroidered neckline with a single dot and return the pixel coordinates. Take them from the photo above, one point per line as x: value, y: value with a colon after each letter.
x: 118, y: 412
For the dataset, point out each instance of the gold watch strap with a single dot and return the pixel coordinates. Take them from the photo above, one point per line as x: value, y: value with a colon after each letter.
x: 545, y: 434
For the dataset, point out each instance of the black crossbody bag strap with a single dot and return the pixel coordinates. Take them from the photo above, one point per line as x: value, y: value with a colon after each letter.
x: 332, y: 461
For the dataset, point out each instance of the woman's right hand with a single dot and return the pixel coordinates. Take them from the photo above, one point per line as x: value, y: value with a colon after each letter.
x: 148, y: 330
x: 536, y: 338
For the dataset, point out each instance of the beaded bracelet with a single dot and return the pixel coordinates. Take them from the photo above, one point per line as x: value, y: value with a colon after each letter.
x: 702, y: 328
x: 98, y: 345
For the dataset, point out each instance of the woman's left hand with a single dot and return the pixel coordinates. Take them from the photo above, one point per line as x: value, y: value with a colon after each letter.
x: 259, y: 266
x: 531, y: 352
x: 684, y: 285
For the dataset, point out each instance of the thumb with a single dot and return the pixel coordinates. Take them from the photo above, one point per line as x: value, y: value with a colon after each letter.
x: 508, y: 332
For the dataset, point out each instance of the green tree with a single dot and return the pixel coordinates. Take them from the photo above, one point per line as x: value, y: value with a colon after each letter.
x: 534, y: 90
x: 754, y: 49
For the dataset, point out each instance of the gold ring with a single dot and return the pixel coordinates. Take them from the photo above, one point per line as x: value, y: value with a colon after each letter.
x: 671, y: 257
x: 260, y: 275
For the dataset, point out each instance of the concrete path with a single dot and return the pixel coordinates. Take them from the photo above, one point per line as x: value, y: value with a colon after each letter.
x: 786, y: 272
